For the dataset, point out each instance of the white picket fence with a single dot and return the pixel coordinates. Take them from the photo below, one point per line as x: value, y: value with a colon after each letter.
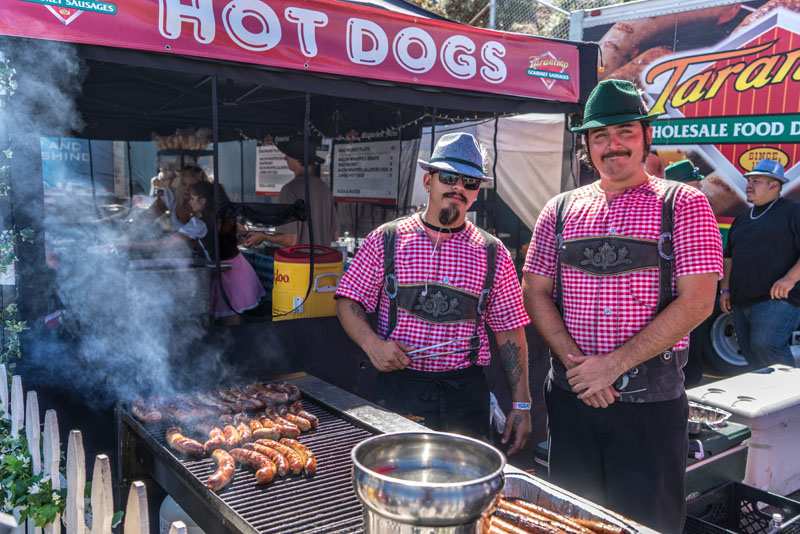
x: 45, y: 449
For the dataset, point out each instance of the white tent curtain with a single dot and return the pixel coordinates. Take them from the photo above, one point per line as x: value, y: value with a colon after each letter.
x: 529, y: 168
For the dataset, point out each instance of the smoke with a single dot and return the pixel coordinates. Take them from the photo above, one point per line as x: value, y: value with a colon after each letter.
x: 130, y: 316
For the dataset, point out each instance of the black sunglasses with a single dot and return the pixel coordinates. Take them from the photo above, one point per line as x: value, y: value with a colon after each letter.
x: 451, y: 178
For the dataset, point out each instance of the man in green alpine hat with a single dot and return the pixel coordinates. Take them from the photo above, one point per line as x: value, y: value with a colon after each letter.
x: 684, y: 171
x: 598, y: 282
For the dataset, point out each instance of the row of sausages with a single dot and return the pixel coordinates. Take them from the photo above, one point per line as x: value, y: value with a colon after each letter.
x: 521, y: 517
x: 268, y: 457
x: 266, y: 442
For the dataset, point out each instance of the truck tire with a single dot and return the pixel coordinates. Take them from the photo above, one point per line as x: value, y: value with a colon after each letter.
x: 719, y: 345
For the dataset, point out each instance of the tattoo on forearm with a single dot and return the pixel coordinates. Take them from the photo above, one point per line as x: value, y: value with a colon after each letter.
x: 358, y: 310
x: 509, y: 357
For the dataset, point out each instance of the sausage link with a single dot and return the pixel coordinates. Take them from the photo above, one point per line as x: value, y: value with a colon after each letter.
x: 216, y: 440
x: 245, y: 434
x: 277, y: 458
x: 232, y: 438
x: 224, y: 473
x: 303, y: 424
x: 294, y: 459
x: 308, y: 456
x: 265, y: 468
x: 182, y: 444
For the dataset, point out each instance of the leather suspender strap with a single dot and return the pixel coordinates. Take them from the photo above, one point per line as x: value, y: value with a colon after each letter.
x: 561, y: 206
x: 389, y: 276
x: 488, y: 281
x: 666, y: 251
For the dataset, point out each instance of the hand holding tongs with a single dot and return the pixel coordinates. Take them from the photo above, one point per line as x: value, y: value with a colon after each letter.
x: 472, y: 346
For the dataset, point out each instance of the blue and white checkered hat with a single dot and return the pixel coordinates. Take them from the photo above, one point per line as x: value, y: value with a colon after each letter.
x: 459, y: 153
x: 770, y: 168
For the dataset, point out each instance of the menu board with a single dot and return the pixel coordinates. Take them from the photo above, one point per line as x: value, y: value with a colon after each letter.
x: 272, y: 173
x: 366, y: 172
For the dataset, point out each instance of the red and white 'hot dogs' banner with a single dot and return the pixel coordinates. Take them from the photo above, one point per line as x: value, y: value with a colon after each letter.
x: 314, y: 35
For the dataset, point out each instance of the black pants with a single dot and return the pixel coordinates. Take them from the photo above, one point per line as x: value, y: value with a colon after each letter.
x: 451, y: 401
x: 629, y: 457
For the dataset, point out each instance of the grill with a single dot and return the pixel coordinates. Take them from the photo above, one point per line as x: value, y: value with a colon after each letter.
x: 324, y: 503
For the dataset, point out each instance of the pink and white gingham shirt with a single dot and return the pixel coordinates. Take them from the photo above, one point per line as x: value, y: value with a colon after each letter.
x: 602, y: 313
x: 459, y: 262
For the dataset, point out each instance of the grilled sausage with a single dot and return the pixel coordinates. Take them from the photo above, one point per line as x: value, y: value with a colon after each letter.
x: 232, y: 438
x: 268, y: 430
x: 528, y: 511
x: 224, y: 473
x: 277, y: 458
x: 309, y: 459
x: 269, y: 394
x: 144, y: 413
x: 182, y: 444
x: 265, y: 469
x: 297, y: 409
x: 245, y: 434
x: 216, y: 440
x: 294, y: 459
x: 501, y: 526
x: 599, y: 527
x: 303, y: 424
x: 284, y: 427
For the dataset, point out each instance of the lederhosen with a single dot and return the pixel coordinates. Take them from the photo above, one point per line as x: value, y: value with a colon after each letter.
x: 613, y: 455
x: 455, y: 401
x: 660, y: 378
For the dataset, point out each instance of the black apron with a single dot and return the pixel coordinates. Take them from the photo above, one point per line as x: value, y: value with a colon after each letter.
x: 452, y: 401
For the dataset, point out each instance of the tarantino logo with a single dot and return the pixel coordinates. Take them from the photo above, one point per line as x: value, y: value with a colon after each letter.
x: 735, y: 101
x: 744, y: 73
x: 67, y: 11
x: 548, y: 68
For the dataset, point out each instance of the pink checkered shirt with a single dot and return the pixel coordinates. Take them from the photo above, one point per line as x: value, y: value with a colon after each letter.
x: 602, y: 313
x: 459, y: 262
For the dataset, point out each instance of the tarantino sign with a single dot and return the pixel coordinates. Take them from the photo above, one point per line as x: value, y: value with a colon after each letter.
x: 313, y: 35
x: 737, y: 101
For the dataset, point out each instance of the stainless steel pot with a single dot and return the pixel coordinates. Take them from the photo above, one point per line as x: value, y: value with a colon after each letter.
x: 425, y: 482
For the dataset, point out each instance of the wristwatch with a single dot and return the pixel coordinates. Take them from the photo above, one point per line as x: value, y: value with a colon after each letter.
x: 724, y: 291
x: 525, y: 406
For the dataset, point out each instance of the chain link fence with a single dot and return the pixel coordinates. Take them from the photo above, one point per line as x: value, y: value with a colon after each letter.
x: 543, y: 18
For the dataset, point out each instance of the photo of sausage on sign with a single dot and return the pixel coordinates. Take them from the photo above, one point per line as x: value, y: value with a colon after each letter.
x: 723, y: 81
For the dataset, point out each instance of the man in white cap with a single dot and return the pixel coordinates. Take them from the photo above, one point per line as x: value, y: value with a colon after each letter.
x: 436, y: 281
x: 762, y: 269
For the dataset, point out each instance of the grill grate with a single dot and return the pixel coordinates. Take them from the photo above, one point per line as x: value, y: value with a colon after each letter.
x: 324, y: 503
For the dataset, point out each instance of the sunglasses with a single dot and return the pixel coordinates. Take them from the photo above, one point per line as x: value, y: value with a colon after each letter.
x: 451, y: 178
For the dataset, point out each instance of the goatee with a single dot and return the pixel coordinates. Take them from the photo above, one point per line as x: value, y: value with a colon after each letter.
x: 448, y: 215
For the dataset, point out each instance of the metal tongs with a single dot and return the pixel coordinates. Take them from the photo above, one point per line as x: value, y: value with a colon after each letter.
x: 472, y: 346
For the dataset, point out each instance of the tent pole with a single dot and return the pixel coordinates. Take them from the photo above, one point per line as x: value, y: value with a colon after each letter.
x: 399, y: 163
x: 214, y: 215
x: 494, y: 194
x: 433, y: 132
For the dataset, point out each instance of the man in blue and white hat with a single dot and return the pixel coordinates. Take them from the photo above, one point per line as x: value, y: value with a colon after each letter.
x: 762, y: 269
x: 436, y: 281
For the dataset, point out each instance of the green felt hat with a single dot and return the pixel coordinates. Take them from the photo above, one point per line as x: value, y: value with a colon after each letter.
x: 682, y: 171
x: 612, y: 102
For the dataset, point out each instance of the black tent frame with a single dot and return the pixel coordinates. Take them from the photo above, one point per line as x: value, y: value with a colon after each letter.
x: 235, y: 85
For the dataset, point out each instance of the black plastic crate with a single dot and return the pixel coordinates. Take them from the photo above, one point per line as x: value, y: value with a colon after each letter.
x: 739, y: 508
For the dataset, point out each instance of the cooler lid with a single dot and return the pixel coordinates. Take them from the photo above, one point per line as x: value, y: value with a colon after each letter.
x: 753, y: 394
x: 302, y: 254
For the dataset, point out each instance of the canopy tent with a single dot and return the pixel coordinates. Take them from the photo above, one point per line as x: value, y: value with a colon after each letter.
x: 247, y: 67
x: 338, y: 51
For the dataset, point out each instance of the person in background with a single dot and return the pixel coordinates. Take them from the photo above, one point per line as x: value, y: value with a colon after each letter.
x: 618, y: 273
x: 762, y: 269
x: 240, y: 288
x: 654, y: 165
x: 437, y: 281
x: 685, y: 172
x: 322, y: 209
